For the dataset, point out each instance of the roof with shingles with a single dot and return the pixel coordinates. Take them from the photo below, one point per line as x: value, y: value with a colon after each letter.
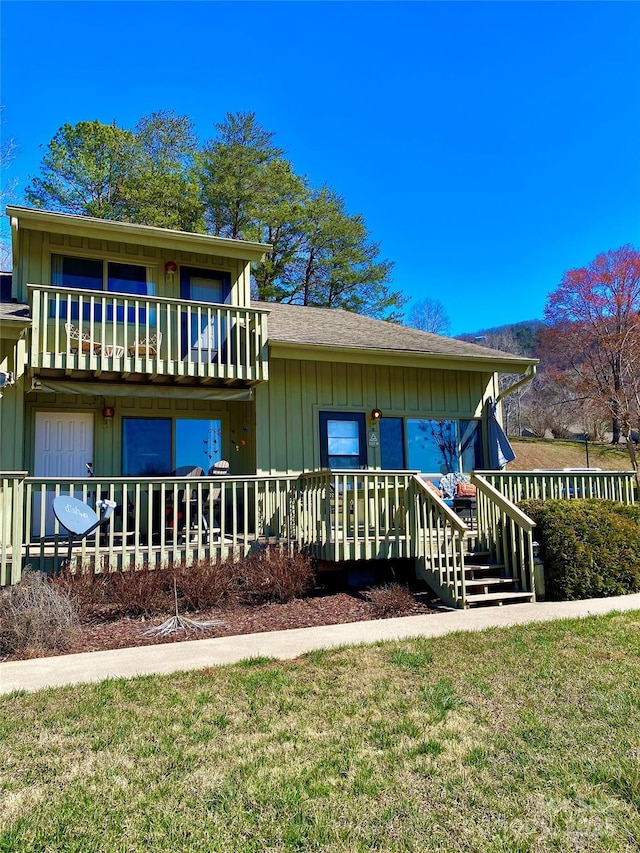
x: 334, y: 327
x: 14, y: 312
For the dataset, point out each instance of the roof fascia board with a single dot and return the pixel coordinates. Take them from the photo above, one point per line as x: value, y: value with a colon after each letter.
x: 12, y: 330
x: 440, y: 361
x: 148, y: 235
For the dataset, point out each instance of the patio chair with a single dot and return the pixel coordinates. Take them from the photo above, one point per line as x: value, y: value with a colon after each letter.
x: 218, y: 469
x: 81, y: 341
x: 147, y: 347
x: 182, y: 498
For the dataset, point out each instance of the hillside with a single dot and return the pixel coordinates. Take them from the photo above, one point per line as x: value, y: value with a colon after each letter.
x: 552, y: 453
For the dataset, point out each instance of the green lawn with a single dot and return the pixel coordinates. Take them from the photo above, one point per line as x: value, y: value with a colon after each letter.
x: 522, y: 739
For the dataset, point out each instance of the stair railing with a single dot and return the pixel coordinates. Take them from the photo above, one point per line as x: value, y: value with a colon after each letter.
x: 439, y: 541
x: 506, y: 533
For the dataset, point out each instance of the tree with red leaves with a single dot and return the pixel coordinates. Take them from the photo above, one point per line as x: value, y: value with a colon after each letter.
x: 594, y: 337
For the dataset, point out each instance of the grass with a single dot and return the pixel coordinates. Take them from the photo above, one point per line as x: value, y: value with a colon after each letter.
x: 519, y: 739
x: 534, y: 453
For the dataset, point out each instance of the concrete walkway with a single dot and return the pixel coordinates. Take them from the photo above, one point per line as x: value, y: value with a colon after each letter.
x: 197, y: 654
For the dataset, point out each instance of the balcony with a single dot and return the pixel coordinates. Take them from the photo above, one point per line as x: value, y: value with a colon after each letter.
x: 110, y: 335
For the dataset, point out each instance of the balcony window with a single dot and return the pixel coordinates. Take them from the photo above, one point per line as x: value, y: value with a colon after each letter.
x: 105, y: 276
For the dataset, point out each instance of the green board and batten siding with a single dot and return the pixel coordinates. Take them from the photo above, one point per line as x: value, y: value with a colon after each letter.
x: 237, y: 421
x: 287, y: 406
x: 36, y: 248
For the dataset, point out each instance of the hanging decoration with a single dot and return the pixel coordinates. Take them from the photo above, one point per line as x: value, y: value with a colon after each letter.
x: 238, y: 442
x: 213, y: 442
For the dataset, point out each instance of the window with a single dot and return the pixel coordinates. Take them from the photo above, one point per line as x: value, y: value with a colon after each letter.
x: 109, y: 276
x: 343, y: 440
x: 436, y: 444
x: 154, y: 447
x: 146, y: 447
x: 392, y: 444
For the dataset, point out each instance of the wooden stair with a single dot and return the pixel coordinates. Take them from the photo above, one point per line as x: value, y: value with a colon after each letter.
x: 486, y: 583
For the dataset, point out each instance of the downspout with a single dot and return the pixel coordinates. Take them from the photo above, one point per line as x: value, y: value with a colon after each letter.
x: 528, y: 376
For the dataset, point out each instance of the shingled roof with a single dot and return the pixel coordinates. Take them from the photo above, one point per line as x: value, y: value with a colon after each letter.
x: 334, y: 327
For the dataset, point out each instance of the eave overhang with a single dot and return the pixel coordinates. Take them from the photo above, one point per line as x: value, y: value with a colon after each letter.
x: 146, y: 235
x: 401, y: 358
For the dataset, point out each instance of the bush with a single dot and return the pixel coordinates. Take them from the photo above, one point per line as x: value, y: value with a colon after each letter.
x: 35, y: 616
x: 273, y: 574
x: 590, y: 548
x: 391, y: 599
x: 83, y: 588
x: 138, y: 592
x: 206, y: 583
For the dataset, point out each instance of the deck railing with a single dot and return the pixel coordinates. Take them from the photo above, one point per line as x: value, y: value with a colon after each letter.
x: 439, y: 542
x: 113, y: 333
x: 161, y: 520
x: 568, y: 485
x: 11, y: 515
x: 355, y: 515
x: 505, y: 532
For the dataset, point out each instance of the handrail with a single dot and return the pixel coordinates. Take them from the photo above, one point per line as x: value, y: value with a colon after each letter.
x: 505, y: 532
x: 439, y: 541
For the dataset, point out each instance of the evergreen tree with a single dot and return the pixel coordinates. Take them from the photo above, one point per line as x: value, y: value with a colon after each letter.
x: 84, y: 170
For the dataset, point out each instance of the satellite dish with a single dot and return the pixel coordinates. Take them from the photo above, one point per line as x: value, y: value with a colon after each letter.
x: 78, y: 519
x: 74, y: 516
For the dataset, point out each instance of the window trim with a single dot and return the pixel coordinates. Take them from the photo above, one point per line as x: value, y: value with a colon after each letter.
x: 150, y: 268
x: 326, y: 415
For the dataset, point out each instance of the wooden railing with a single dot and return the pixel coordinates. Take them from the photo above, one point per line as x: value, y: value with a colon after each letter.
x: 439, y: 543
x: 568, y: 485
x: 195, y: 339
x: 162, y: 520
x: 11, y: 515
x: 356, y: 515
x: 505, y: 532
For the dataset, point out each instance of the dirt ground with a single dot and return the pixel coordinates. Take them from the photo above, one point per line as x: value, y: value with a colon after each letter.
x: 322, y: 609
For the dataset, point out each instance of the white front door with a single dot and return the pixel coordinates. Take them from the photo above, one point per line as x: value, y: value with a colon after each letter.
x: 63, y: 446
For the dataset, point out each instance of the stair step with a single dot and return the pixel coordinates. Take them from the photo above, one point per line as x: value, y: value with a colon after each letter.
x: 496, y: 568
x: 498, y: 597
x: 488, y: 581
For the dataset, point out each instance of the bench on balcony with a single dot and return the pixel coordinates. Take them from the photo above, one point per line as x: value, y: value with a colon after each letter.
x: 146, y: 348
x: 82, y: 341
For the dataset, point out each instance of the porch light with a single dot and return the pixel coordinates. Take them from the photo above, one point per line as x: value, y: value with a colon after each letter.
x: 170, y: 267
x: 376, y: 414
x: 108, y: 413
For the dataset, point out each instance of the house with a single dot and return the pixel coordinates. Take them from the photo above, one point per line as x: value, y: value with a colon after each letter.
x: 135, y: 354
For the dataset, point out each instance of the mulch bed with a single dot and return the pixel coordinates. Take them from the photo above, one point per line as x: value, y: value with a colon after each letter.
x: 331, y: 609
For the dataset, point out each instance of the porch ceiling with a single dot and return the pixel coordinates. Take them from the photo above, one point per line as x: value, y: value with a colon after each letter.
x: 124, y: 389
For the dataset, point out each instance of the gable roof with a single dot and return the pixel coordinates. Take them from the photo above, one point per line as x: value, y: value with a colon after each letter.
x: 343, y: 331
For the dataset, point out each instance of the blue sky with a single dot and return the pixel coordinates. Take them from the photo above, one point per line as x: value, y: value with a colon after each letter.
x: 489, y: 146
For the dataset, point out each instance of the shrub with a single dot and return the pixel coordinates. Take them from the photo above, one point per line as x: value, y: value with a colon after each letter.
x: 391, y: 599
x: 84, y: 588
x: 590, y: 548
x: 34, y: 615
x: 144, y: 591
x: 206, y: 583
x: 273, y: 574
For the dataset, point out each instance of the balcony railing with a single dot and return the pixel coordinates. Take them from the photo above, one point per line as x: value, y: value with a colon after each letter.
x: 92, y: 331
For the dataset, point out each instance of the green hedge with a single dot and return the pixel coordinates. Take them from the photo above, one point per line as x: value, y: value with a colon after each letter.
x: 590, y: 548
